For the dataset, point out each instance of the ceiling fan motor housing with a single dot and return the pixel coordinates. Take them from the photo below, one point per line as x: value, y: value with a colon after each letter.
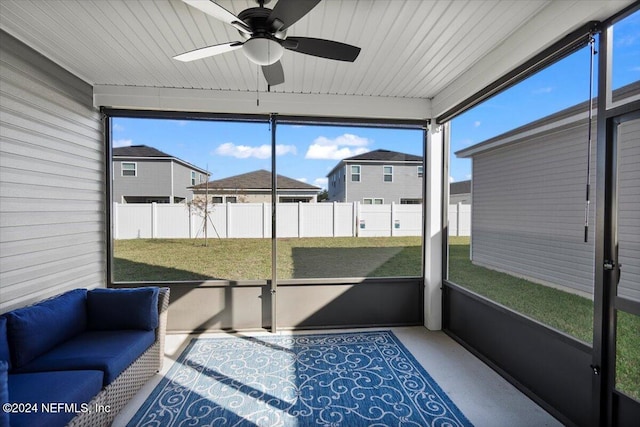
x: 257, y: 18
x: 262, y: 47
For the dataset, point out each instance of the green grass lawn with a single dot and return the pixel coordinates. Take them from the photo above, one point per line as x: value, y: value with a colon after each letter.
x: 243, y: 259
x: 561, y: 310
x: 564, y: 311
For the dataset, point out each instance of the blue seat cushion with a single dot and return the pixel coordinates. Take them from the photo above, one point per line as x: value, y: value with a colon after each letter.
x: 74, y: 388
x: 108, y: 351
x: 4, y: 392
x: 4, y: 343
x: 36, y: 329
x: 115, y: 309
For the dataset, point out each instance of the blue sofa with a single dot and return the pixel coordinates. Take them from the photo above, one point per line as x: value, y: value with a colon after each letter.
x: 77, y: 358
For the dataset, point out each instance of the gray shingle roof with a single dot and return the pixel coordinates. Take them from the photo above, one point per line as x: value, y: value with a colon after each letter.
x: 260, y: 179
x: 146, y: 152
x: 139, y: 151
x: 462, y: 187
x: 385, y: 155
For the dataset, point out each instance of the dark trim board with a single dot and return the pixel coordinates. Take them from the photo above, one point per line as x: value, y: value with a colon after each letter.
x: 551, y: 368
x: 626, y: 411
x: 560, y: 49
x: 266, y: 118
x: 302, y: 304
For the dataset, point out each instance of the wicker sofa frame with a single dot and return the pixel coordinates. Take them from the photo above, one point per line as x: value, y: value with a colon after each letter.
x: 116, y: 395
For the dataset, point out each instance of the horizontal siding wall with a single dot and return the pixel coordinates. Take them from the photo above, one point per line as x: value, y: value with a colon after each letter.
x: 52, y: 187
x: 528, y: 208
x: 629, y: 209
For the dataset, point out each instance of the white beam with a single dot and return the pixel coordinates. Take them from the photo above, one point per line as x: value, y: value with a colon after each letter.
x: 218, y: 101
x: 433, y: 229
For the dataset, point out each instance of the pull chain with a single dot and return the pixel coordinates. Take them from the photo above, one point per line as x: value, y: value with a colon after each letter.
x: 257, y: 83
x: 589, y: 121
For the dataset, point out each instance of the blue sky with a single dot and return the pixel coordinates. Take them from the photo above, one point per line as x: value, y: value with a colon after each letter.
x: 305, y: 153
x: 308, y: 153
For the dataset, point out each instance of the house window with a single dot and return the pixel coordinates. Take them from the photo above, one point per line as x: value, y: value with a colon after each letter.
x: 372, y: 201
x: 129, y: 169
x: 355, y: 173
x: 410, y: 201
x: 232, y: 199
x: 193, y: 178
x: 294, y: 200
x: 216, y: 199
x: 387, y: 173
x: 420, y: 171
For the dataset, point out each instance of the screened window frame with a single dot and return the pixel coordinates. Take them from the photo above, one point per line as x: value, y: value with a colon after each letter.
x: 112, y: 113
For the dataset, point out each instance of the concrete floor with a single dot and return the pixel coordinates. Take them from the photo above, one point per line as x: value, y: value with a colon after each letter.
x: 483, y: 396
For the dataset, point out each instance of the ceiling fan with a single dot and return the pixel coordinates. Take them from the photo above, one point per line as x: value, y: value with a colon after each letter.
x: 265, y: 36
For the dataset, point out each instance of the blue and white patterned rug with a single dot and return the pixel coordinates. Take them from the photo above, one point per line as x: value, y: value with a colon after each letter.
x: 346, y: 379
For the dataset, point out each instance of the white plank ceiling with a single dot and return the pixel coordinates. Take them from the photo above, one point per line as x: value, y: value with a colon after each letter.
x: 432, y: 52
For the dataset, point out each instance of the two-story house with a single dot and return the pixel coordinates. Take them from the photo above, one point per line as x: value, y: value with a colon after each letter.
x: 377, y: 177
x: 143, y: 174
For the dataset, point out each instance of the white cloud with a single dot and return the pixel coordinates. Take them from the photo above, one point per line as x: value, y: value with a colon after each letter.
x: 321, y: 182
x: 301, y: 179
x: 347, y: 139
x: 332, y: 152
x: 468, y: 176
x: 541, y: 90
x: 118, y: 127
x: 338, y: 148
x: 451, y: 179
x: 282, y: 149
x: 477, y: 123
x: 245, y: 151
x: 122, y: 143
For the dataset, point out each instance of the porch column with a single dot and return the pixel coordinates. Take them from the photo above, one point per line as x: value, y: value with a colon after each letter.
x: 433, y: 167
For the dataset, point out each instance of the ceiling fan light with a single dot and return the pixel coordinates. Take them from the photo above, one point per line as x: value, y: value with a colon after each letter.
x: 262, y: 50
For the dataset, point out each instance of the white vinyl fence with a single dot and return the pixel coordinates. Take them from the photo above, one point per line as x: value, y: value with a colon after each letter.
x: 253, y: 220
x: 459, y: 220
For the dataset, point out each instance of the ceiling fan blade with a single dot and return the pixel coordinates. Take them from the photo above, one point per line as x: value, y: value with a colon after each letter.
x: 287, y: 12
x: 212, y: 8
x: 322, y: 48
x: 205, y: 52
x: 273, y: 74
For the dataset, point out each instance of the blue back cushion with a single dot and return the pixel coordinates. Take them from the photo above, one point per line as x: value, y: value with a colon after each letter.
x: 34, y: 330
x: 113, y: 309
x: 4, y: 344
